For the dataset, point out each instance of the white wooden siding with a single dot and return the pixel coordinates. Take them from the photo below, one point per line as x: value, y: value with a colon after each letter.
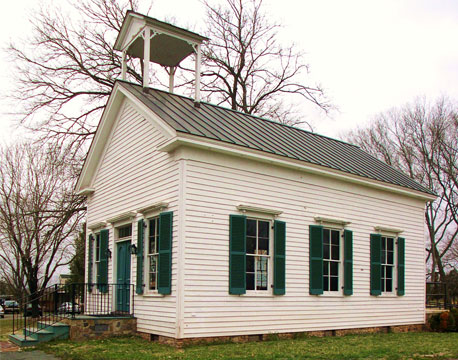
x: 216, y: 184
x: 133, y: 175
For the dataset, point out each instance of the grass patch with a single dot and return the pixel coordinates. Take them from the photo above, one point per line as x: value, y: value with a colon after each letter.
x: 373, y: 346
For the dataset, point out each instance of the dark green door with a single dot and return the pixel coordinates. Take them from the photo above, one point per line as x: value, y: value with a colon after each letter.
x: 123, y: 277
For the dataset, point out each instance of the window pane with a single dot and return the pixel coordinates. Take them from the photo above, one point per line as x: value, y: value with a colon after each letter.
x: 334, y: 268
x: 383, y: 243
x: 384, y: 256
x: 261, y: 281
x: 326, y: 251
x: 152, y: 282
x: 334, y: 283
x: 390, y: 257
x: 263, y: 229
x: 389, y: 272
x: 250, y: 263
x: 153, y: 264
x: 250, y: 245
x: 390, y: 244
x: 335, y: 237
x: 251, y: 227
x: 250, y: 281
x: 152, y: 245
x: 325, y: 236
x: 335, y: 252
x: 389, y: 285
x: 325, y: 267
x: 263, y: 246
x: 325, y: 283
x: 152, y: 227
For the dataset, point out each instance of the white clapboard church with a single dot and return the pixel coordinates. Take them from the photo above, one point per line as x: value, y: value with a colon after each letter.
x: 229, y: 224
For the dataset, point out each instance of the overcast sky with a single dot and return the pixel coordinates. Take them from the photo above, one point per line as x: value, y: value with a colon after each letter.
x: 368, y: 55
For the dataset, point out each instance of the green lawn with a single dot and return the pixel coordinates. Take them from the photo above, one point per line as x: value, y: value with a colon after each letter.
x: 375, y: 346
x: 6, y: 327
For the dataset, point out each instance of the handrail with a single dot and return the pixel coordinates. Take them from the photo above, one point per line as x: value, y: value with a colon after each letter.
x: 59, y: 302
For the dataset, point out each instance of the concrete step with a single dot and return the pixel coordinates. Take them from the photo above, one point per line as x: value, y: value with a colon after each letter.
x: 21, y: 341
x: 41, y: 333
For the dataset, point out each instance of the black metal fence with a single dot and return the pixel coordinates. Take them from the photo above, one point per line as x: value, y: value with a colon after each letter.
x: 58, y: 302
x: 437, y: 295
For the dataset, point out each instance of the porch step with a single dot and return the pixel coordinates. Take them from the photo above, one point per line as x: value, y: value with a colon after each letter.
x: 42, y: 333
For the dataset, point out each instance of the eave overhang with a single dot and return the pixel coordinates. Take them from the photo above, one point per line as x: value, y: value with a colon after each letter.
x: 188, y: 140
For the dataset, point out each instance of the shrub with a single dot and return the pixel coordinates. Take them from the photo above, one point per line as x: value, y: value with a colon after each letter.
x: 434, y: 322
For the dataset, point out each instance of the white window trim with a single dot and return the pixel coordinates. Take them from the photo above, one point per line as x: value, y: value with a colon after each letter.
x: 394, y: 292
x: 270, y: 279
x: 339, y: 292
x: 147, y: 291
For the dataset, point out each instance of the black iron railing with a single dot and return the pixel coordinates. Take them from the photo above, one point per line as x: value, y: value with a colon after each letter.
x: 437, y: 295
x: 59, y: 302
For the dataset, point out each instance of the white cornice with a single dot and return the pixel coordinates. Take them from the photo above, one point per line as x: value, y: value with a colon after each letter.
x: 214, y: 145
x: 154, y: 207
x: 260, y: 210
x: 123, y: 216
x: 324, y: 220
x: 383, y: 229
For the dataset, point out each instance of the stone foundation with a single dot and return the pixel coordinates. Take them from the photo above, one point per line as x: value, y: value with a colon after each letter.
x: 87, y: 328
x: 266, y: 337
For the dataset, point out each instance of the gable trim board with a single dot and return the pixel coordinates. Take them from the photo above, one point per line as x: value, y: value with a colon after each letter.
x: 102, y: 137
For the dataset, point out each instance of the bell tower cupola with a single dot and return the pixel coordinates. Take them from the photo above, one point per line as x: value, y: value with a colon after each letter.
x: 159, y: 42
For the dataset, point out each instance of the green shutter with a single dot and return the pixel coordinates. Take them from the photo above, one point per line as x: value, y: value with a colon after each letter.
x: 348, y: 262
x: 316, y: 259
x: 103, y: 263
x: 237, y: 254
x: 401, y: 266
x: 165, y: 253
x: 90, y: 262
x: 279, y: 257
x: 376, y: 264
x: 140, y: 235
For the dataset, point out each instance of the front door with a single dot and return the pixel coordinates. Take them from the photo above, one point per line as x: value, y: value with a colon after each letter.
x: 123, y: 277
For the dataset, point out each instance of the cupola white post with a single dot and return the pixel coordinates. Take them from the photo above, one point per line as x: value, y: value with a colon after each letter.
x: 171, y: 78
x: 146, y: 55
x: 197, y: 82
x: 123, y: 66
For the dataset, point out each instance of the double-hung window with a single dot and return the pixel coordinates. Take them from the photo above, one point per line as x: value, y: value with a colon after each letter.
x: 97, y: 252
x: 331, y: 260
x: 257, y: 254
x: 152, y: 249
x: 387, y: 264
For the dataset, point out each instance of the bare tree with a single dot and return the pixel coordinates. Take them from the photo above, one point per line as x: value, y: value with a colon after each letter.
x: 248, y: 69
x: 422, y: 140
x: 66, y: 69
x: 38, y: 215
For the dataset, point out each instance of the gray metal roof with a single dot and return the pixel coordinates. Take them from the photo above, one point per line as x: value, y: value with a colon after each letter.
x: 233, y: 127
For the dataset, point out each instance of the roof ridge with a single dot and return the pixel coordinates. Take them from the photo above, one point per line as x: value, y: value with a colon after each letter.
x: 246, y: 114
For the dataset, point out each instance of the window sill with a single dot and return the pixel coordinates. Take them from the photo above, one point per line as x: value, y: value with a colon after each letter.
x: 153, y: 295
x: 331, y: 295
x: 390, y: 295
x: 258, y: 295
